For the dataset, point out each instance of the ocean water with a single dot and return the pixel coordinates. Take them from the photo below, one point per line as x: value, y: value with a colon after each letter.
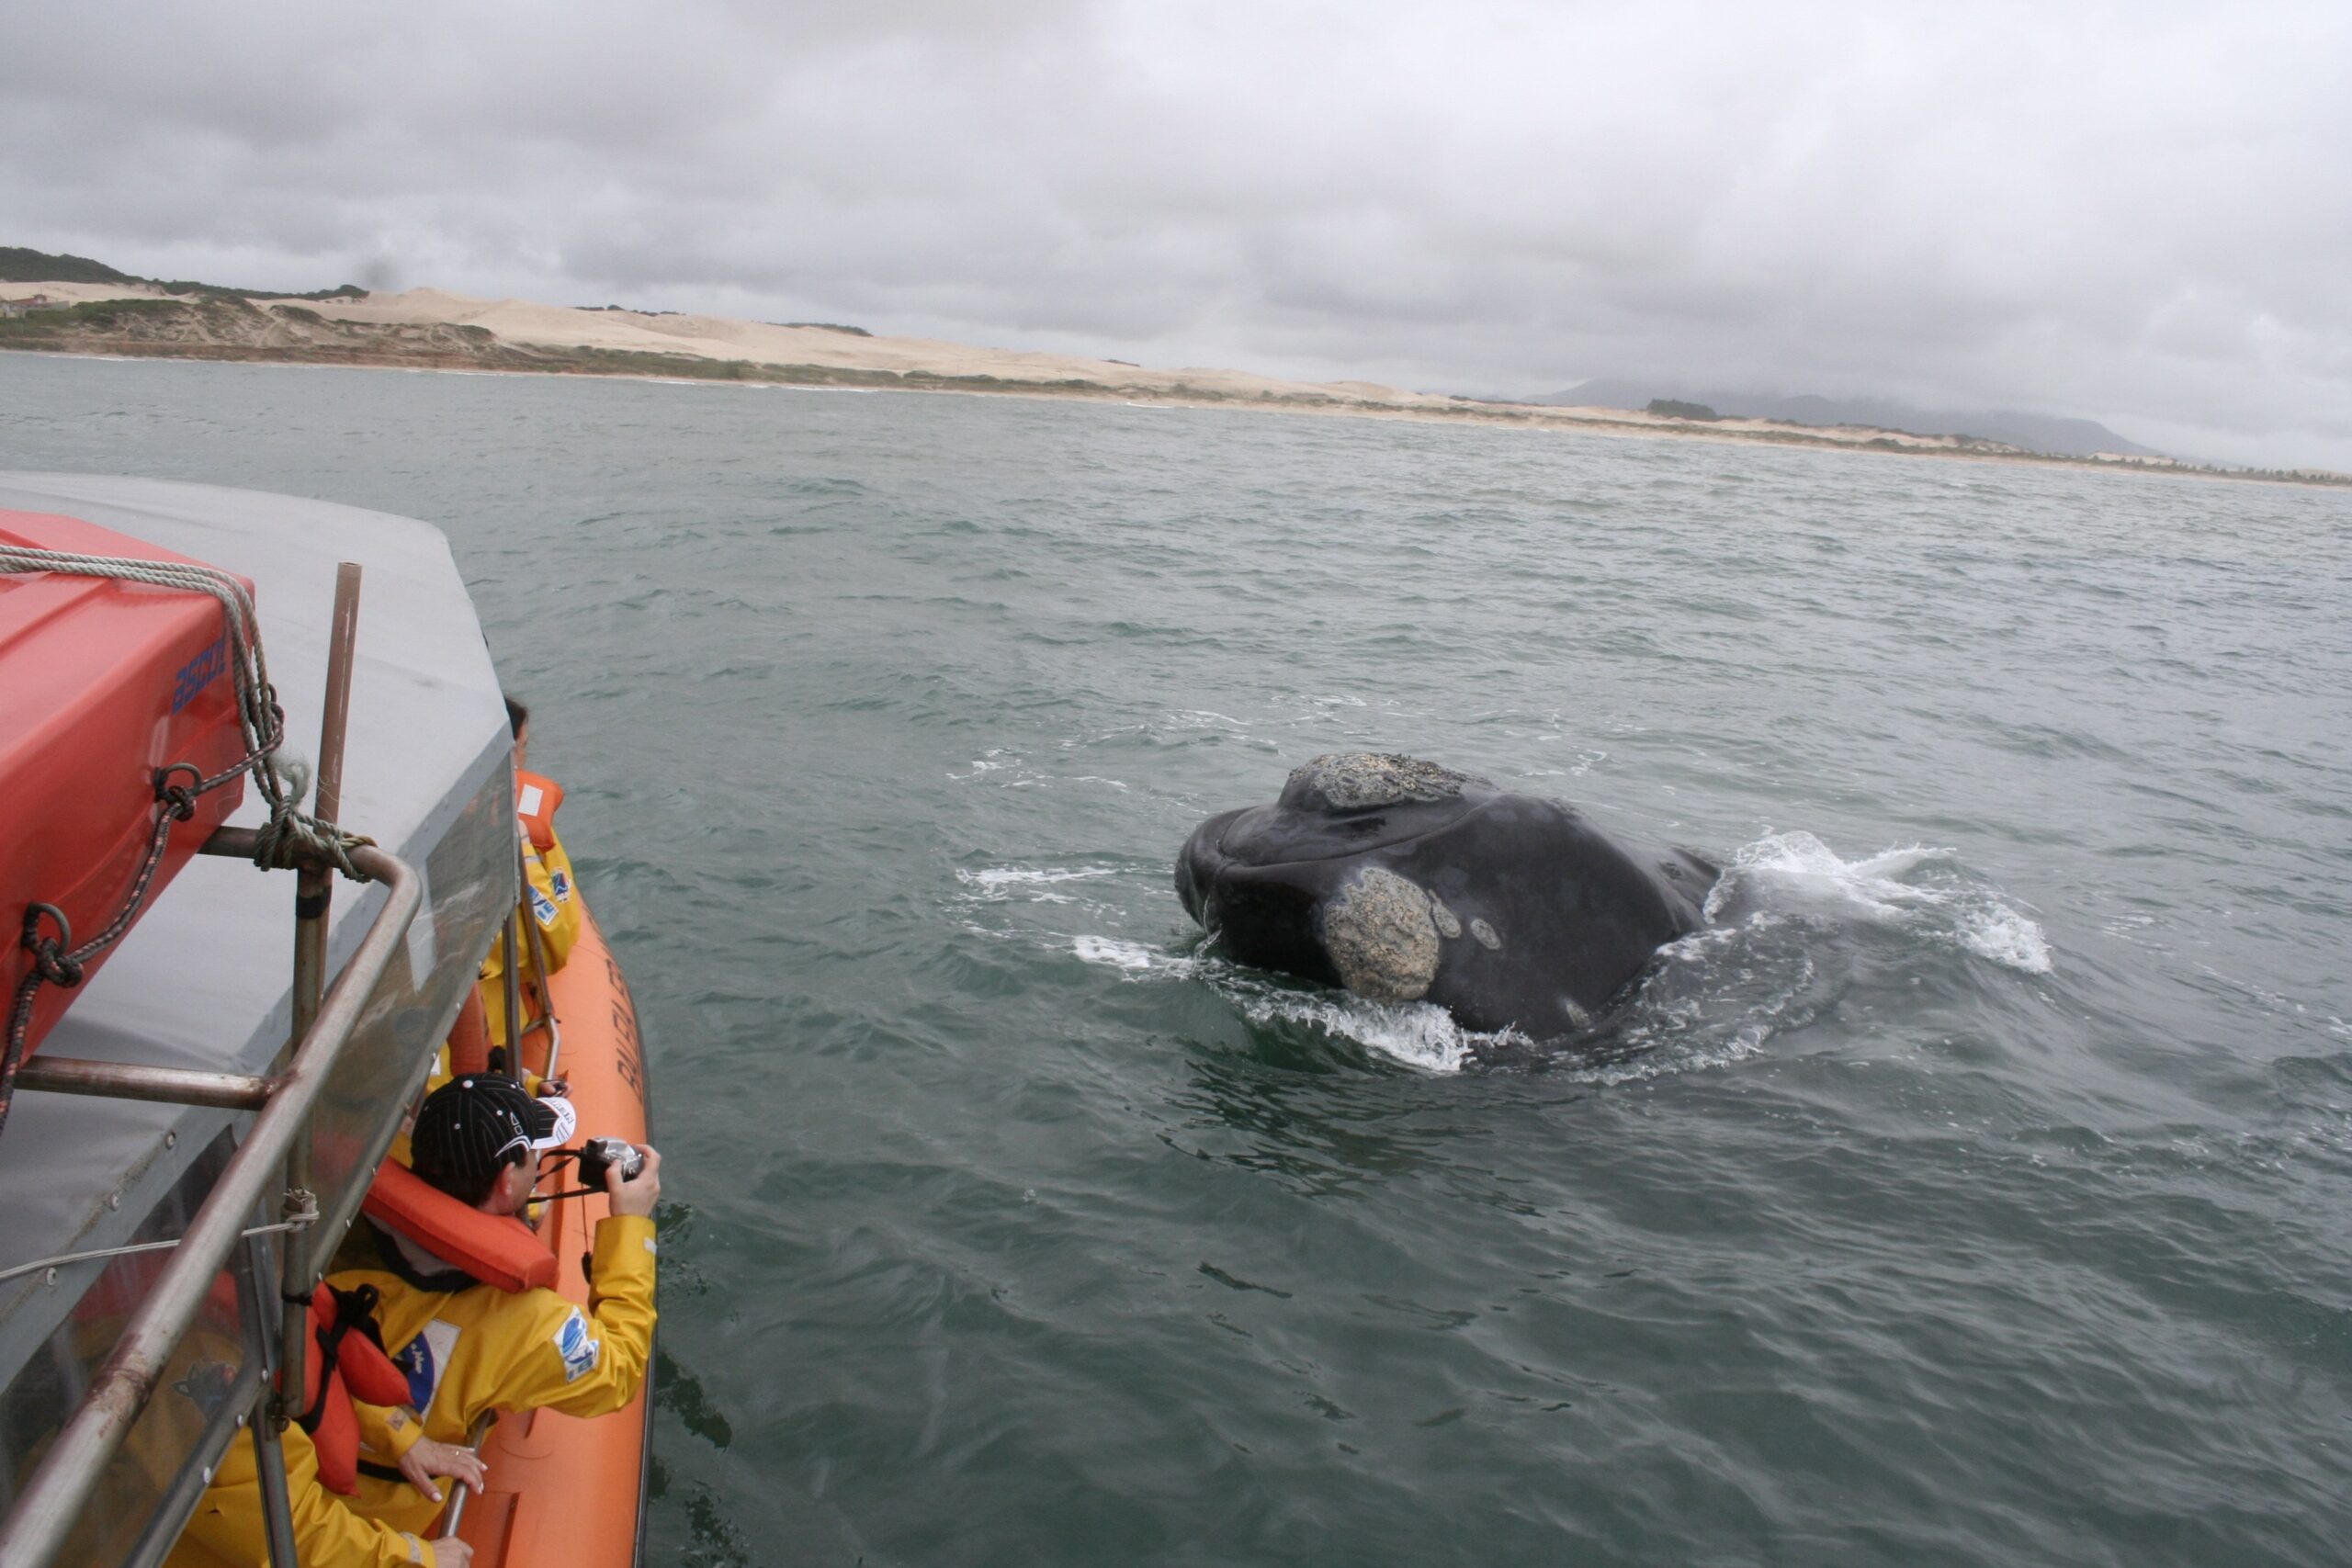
x: 1973, y: 1190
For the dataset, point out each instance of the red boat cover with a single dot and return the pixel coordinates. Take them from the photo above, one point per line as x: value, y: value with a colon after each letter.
x: 102, y: 684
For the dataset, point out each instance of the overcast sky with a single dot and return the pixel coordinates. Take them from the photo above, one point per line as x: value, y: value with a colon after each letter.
x: 2138, y: 213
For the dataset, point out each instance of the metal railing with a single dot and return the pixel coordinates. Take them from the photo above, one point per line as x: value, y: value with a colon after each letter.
x: 52, y: 1499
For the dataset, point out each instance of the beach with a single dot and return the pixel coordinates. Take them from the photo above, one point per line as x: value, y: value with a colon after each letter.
x: 433, y: 329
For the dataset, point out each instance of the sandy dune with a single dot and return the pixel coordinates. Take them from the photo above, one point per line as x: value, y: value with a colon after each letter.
x: 421, y: 325
x: 720, y: 338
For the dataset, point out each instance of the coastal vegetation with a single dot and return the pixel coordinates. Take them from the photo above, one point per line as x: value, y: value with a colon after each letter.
x: 96, y: 315
x: 223, y: 325
x: 204, y: 322
x: 20, y: 264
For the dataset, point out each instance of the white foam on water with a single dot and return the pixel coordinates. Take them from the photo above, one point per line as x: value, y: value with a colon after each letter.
x: 1001, y: 884
x: 987, y: 762
x: 1129, y: 955
x: 1585, y: 762
x: 1000, y: 876
x: 1744, y: 1043
x: 2006, y: 936
x: 1419, y: 1035
x: 1799, y: 869
x: 1797, y: 873
x: 1703, y: 944
x: 1416, y: 1033
x: 1720, y: 994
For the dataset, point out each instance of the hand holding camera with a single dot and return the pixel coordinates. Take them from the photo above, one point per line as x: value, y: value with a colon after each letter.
x: 597, y: 1155
x: 629, y: 1173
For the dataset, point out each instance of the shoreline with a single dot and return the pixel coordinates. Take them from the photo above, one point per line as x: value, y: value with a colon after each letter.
x: 416, y: 332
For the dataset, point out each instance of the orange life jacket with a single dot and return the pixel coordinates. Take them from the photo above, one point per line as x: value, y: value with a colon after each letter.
x: 469, y: 1037
x: 497, y: 1249
x: 345, y: 1363
x: 536, y: 800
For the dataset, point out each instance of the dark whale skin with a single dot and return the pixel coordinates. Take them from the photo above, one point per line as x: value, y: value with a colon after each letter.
x: 1539, y: 919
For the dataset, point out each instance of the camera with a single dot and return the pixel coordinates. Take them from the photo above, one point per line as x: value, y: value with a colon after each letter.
x: 599, y: 1154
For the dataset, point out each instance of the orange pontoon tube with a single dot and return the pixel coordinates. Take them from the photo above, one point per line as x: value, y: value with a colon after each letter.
x: 567, y: 1492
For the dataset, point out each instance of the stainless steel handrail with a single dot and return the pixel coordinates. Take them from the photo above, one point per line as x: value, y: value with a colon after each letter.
x: 546, y: 991
x: 45, y: 1510
x: 456, y: 1514
x: 123, y: 1080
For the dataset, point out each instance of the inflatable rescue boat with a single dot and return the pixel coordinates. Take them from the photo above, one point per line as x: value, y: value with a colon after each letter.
x: 223, y: 996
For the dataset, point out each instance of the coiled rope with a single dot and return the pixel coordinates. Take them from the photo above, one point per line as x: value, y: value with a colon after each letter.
x: 289, y: 838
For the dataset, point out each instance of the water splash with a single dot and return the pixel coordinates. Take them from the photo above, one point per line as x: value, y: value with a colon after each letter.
x: 1416, y: 1033
x: 1914, y: 887
x: 1131, y: 956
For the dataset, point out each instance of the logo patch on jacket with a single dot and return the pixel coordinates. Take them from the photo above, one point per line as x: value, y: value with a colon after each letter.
x: 423, y: 1359
x: 543, y: 906
x: 561, y: 884
x: 577, y: 1347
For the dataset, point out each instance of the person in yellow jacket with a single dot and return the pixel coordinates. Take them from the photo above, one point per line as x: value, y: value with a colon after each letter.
x: 226, y: 1530
x: 471, y: 1348
x: 547, y: 873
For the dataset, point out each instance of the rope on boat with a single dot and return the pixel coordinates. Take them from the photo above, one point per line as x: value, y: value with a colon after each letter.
x: 288, y: 839
x: 301, y: 1208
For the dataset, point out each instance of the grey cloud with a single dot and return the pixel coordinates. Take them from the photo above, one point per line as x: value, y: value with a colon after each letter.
x: 2132, y: 213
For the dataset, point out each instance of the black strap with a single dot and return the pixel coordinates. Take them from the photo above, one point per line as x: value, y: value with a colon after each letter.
x: 355, y: 1311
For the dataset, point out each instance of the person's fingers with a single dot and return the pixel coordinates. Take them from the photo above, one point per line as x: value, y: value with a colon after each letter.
x: 413, y: 1466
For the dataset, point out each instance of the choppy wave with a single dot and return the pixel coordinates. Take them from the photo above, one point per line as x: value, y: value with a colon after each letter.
x: 1894, y: 1144
x: 998, y: 877
x: 1034, y: 885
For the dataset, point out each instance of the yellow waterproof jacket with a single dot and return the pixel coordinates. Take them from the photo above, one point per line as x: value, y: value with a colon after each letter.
x: 549, y: 872
x: 226, y: 1531
x: 478, y: 1350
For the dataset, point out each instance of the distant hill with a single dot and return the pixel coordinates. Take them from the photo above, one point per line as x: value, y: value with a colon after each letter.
x: 21, y: 265
x: 18, y: 264
x: 2035, y: 432
x: 105, y: 311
